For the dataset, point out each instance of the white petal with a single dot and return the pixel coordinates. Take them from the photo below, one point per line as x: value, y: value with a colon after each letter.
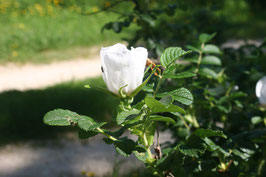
x: 137, y: 65
x: 261, y: 90
x: 115, y: 62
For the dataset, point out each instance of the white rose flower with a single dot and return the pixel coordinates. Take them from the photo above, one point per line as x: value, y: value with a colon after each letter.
x: 261, y: 90
x: 121, y: 67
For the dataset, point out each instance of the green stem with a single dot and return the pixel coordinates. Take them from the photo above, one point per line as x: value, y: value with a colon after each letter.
x: 158, y: 85
x: 200, y: 58
x: 109, y: 136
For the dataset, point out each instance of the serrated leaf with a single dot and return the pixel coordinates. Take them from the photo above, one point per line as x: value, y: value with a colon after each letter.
x: 170, y: 69
x: 209, y: 73
x: 156, y: 106
x: 211, y: 60
x: 88, y: 124
x: 204, y: 37
x: 161, y: 118
x: 126, y: 115
x: 210, y: 48
x: 171, y: 54
x: 208, y: 133
x: 193, y: 146
x: 181, y: 95
x: 60, y: 117
x: 179, y: 75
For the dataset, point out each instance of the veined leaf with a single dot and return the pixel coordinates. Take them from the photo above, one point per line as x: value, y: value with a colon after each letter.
x: 171, y: 54
x: 179, y: 75
x: 88, y: 124
x: 60, y: 117
x: 126, y: 115
x: 181, y: 95
x: 209, y: 132
x: 156, y: 106
x: 194, y: 146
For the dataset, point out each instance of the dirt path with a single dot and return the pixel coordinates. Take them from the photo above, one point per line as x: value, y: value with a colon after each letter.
x: 66, y: 158
x: 30, y: 76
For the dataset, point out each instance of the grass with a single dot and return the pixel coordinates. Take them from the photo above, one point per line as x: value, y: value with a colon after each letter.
x: 31, y: 29
x: 21, y: 113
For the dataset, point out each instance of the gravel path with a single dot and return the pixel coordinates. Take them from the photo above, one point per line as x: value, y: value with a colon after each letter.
x: 30, y: 76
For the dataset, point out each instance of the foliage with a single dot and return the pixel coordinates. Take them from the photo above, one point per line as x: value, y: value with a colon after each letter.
x: 164, y: 23
x: 41, y: 31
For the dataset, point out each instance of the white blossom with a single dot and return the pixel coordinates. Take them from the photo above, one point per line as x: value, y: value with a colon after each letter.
x: 121, y: 67
x: 261, y: 90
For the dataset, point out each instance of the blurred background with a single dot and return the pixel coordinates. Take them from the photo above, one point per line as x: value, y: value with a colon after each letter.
x: 49, y: 49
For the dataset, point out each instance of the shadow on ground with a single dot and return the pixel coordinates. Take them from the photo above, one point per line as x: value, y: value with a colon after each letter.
x: 21, y: 113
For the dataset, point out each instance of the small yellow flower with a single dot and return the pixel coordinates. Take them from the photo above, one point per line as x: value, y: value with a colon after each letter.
x: 14, y: 53
x: 21, y: 26
x: 95, y: 9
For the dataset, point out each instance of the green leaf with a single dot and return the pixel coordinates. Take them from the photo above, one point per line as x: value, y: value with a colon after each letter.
x: 181, y: 95
x: 193, y: 48
x: 211, y: 60
x: 179, y: 75
x: 157, y: 106
x: 210, y: 48
x: 171, y: 54
x: 60, y: 117
x: 209, y: 73
x: 167, y: 100
x: 139, y: 88
x: 125, y: 146
x: 193, y: 146
x: 126, y: 115
x: 209, y: 132
x: 88, y: 124
x: 255, y: 120
x: 161, y: 118
x: 204, y: 38
x: 170, y: 69
x: 86, y: 134
x: 142, y: 156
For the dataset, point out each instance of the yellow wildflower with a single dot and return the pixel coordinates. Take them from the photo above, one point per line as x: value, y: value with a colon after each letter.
x: 95, y: 9
x: 14, y: 53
